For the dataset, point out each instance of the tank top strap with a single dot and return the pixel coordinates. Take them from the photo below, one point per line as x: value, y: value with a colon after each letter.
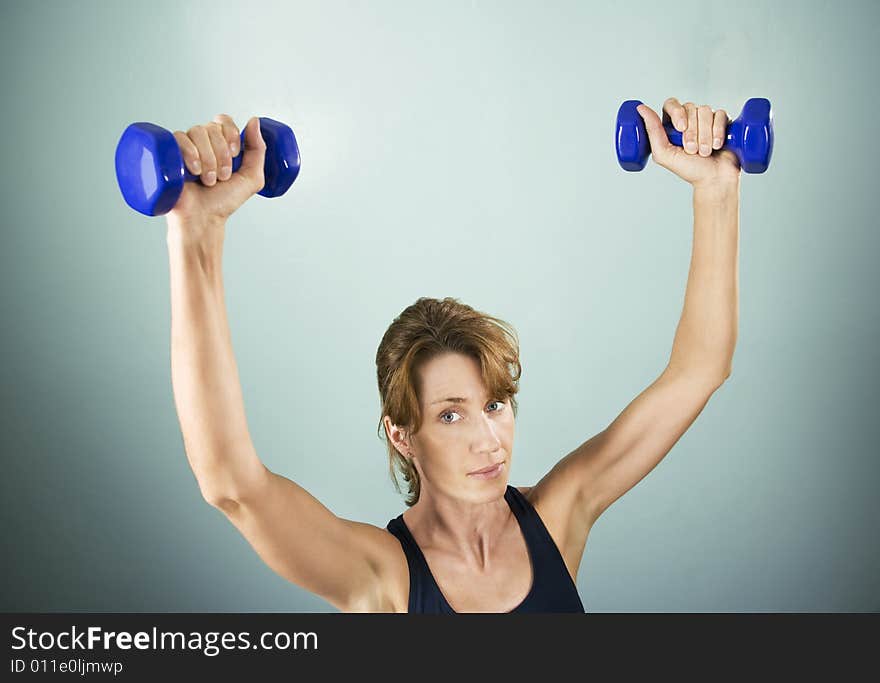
x: 554, y: 588
x: 424, y: 593
x: 533, y: 528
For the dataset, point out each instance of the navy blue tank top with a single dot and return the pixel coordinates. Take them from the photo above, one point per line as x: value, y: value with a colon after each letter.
x: 552, y: 587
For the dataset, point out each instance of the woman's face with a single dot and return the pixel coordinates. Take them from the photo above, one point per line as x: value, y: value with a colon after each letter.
x: 458, y: 437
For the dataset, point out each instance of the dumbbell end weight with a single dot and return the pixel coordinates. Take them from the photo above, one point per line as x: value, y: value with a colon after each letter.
x: 151, y: 172
x: 755, y: 135
x: 750, y: 136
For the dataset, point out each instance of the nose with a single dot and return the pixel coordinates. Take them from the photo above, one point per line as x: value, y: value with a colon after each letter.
x: 488, y: 440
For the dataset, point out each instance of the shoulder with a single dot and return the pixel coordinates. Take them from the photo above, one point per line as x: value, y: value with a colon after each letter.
x: 388, y: 590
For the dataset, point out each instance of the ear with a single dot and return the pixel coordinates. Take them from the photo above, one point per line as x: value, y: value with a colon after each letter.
x: 397, y: 436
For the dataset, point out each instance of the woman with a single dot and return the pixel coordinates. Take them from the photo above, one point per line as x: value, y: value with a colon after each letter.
x: 468, y: 542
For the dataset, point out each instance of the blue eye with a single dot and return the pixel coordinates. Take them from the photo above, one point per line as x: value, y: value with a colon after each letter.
x: 452, y: 412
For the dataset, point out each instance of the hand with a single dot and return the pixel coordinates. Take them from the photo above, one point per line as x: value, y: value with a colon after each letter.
x: 703, y: 164
x: 208, y: 152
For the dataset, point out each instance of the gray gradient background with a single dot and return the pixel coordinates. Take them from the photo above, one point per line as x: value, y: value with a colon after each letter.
x: 449, y: 149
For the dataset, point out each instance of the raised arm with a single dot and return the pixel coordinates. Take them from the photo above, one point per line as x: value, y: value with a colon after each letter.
x: 706, y: 335
x: 610, y: 463
x: 340, y: 560
x: 204, y: 374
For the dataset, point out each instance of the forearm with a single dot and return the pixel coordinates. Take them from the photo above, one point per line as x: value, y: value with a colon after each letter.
x: 207, y: 390
x: 706, y: 335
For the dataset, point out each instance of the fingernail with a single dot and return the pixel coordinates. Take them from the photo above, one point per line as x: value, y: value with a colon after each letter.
x: 234, y: 149
x: 691, y: 146
x: 210, y: 177
x: 197, y: 168
x: 704, y: 149
x: 717, y: 143
x: 225, y: 172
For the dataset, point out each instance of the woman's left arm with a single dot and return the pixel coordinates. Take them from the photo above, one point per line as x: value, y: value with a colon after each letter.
x: 706, y: 335
x: 610, y: 463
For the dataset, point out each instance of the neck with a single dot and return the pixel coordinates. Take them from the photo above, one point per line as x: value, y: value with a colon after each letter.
x: 467, y: 529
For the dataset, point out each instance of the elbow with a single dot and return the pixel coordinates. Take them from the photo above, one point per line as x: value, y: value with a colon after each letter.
x: 225, y: 503
x: 228, y: 491
x: 724, y: 372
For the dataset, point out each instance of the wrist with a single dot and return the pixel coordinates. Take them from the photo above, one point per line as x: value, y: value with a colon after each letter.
x: 717, y: 189
x: 203, y: 234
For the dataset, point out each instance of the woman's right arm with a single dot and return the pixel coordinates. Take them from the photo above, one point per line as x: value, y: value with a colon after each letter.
x: 204, y: 374
x: 344, y: 562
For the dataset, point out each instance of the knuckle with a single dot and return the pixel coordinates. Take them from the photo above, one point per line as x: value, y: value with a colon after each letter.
x: 186, y: 145
x: 226, y: 122
x: 221, y: 149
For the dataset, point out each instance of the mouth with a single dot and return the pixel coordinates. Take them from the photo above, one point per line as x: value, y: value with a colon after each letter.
x: 490, y: 470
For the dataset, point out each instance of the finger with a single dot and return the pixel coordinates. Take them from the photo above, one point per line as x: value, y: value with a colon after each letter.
x: 704, y: 129
x: 689, y: 138
x: 719, y: 129
x: 189, y: 152
x: 199, y: 136
x: 254, y: 154
x: 221, y: 151
x: 230, y: 132
x: 674, y: 112
x: 661, y: 148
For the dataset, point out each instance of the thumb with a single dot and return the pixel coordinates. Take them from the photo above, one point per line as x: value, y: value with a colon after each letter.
x: 254, y: 152
x: 661, y: 148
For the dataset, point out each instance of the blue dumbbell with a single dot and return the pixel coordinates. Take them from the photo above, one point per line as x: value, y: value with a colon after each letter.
x: 750, y: 136
x: 151, y: 172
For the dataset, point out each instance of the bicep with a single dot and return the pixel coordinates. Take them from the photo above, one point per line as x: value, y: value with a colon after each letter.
x: 305, y: 543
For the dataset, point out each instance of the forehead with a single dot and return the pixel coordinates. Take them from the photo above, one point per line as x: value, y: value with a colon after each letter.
x: 451, y: 374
